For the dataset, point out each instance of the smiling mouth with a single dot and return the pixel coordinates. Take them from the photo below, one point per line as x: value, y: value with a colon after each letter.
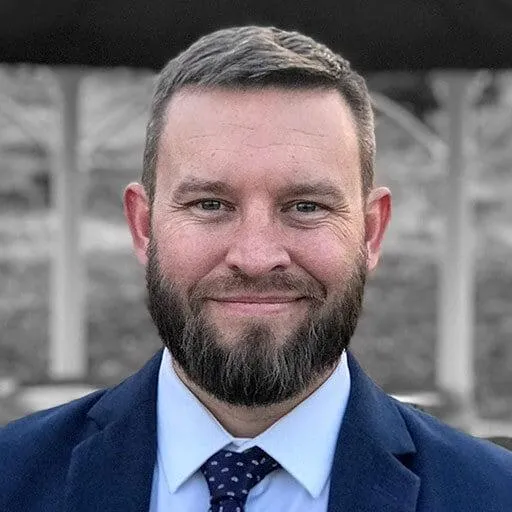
x: 257, y: 306
x: 258, y: 299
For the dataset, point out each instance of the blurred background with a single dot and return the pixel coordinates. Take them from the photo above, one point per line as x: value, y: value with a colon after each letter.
x: 396, y: 338
x: 75, y: 87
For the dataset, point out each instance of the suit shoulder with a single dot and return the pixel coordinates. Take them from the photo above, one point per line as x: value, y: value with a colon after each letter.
x: 464, y: 459
x: 50, y: 418
x: 428, y: 430
x: 50, y: 429
x: 36, y: 451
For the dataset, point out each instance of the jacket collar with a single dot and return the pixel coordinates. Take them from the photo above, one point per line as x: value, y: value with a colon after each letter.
x: 374, y: 444
x: 112, y: 469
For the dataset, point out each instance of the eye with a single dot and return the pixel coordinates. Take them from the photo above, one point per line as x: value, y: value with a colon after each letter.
x: 210, y: 208
x: 209, y: 205
x: 307, y: 207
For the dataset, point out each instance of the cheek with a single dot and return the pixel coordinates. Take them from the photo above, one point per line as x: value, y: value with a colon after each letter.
x: 327, y: 257
x: 187, y: 253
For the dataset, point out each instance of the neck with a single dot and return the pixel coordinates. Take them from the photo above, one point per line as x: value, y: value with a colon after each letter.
x: 247, y: 422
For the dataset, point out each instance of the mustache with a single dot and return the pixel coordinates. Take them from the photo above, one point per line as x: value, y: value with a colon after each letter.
x: 239, y: 284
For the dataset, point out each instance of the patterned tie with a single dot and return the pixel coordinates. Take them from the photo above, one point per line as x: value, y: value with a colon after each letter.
x: 231, y: 476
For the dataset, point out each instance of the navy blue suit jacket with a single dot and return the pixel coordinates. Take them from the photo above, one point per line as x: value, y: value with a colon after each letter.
x: 98, y: 454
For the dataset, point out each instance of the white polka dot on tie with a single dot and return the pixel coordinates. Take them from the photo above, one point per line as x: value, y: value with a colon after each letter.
x: 224, y: 470
x: 211, y: 479
x: 245, y: 491
x: 228, y: 454
x: 221, y: 486
x: 263, y: 460
x: 255, y: 462
x: 234, y: 479
x: 239, y: 463
x: 213, y: 462
x: 238, y: 509
x: 249, y: 475
x: 230, y: 493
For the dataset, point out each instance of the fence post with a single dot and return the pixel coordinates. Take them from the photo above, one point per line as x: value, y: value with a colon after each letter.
x: 67, y: 350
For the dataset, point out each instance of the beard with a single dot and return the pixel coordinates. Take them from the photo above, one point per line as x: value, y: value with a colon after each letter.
x: 255, y: 369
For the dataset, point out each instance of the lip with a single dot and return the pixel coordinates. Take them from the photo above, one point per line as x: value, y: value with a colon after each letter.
x: 257, y: 306
x: 256, y: 299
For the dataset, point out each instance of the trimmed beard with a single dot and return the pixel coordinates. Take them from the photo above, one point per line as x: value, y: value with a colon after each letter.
x: 257, y: 369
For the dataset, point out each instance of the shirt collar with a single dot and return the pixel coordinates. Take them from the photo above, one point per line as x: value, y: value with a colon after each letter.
x: 188, y: 434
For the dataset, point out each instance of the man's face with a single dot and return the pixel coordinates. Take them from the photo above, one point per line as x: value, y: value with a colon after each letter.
x: 258, y: 246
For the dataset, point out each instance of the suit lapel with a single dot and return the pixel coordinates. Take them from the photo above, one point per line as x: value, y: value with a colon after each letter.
x: 369, y: 470
x: 113, y: 468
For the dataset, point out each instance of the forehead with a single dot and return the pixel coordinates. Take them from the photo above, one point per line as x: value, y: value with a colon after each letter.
x: 269, y: 132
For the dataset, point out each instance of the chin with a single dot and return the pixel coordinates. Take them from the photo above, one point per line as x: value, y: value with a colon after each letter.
x: 235, y: 330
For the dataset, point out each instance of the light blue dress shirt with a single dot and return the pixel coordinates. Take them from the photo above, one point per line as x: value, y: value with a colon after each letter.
x: 303, y: 442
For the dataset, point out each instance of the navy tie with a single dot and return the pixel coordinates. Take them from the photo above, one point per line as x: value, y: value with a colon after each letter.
x: 231, y: 476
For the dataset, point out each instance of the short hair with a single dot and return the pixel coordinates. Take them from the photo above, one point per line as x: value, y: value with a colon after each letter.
x: 255, y: 57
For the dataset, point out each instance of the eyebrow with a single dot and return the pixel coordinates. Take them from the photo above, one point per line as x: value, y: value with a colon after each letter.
x: 217, y: 187
x: 198, y: 185
x: 316, y: 188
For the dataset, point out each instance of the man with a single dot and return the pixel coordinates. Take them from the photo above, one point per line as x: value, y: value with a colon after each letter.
x: 257, y: 221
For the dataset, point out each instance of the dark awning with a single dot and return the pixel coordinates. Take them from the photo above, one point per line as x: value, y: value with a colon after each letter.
x: 373, y: 34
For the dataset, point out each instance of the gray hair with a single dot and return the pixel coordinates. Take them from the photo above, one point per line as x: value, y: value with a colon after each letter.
x: 255, y: 57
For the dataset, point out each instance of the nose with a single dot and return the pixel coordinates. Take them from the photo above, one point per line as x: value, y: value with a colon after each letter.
x: 257, y: 248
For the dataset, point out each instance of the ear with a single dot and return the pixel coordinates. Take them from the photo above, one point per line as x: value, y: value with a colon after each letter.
x: 138, y: 214
x: 377, y: 216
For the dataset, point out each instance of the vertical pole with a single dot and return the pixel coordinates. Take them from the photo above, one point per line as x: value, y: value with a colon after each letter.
x: 455, y: 351
x: 67, y: 354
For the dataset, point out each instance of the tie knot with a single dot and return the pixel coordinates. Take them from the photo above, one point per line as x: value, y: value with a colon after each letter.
x: 231, y: 476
